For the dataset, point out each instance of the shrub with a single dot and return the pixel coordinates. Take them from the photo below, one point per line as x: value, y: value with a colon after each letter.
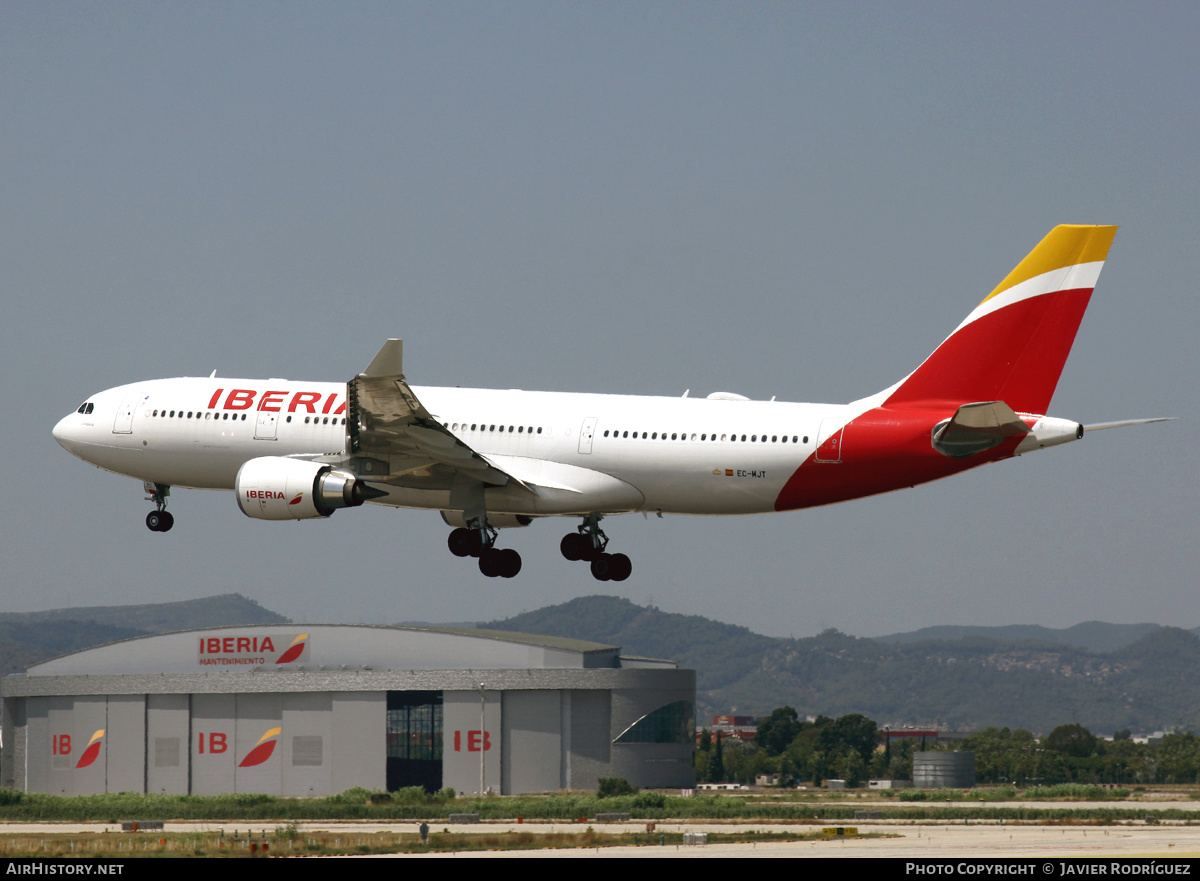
x: 611, y: 787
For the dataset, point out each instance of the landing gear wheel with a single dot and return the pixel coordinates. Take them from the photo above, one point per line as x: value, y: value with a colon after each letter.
x: 619, y: 567
x: 495, y: 562
x: 602, y: 567
x: 574, y: 546
x: 159, y: 521
x: 489, y: 562
x: 459, y: 542
x: 510, y: 563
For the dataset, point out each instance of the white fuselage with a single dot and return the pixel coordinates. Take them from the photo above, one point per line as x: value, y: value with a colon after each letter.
x: 588, y: 453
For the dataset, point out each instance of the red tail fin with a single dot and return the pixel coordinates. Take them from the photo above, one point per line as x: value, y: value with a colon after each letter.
x: 1013, y: 346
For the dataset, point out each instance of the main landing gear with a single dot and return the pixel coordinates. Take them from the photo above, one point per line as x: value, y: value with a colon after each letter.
x: 160, y: 519
x: 480, y: 541
x: 589, y: 544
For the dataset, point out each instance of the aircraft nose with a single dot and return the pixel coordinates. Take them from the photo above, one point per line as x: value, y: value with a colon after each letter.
x: 64, y: 434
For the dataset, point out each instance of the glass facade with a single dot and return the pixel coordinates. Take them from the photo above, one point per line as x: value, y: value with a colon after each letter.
x: 671, y: 723
x: 414, y: 739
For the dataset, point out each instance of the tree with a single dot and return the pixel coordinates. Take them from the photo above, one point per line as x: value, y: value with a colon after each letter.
x: 855, y: 733
x: 1071, y: 740
x: 778, y: 730
x: 702, y: 758
x: 716, y: 763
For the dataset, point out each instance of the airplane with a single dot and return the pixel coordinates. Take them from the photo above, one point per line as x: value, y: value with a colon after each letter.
x: 495, y: 459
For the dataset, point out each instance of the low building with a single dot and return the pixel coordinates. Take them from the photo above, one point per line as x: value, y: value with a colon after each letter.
x: 303, y: 711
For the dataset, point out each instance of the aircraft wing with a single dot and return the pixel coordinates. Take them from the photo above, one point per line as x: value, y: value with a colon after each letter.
x: 391, y: 438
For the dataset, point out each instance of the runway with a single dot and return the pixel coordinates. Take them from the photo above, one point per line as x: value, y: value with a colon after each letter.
x: 898, y: 839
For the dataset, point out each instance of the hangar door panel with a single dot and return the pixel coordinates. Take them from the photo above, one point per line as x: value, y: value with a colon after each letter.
x: 359, y: 752
x: 125, y: 737
x: 214, y: 717
x: 472, y: 752
x: 78, y: 760
x: 533, y: 756
x: 590, y: 742
x: 167, y: 743
x: 259, y: 730
x: 306, y: 740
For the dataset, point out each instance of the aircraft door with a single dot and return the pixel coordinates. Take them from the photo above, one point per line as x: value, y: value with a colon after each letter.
x: 123, y: 424
x: 265, y: 428
x: 829, y: 441
x: 586, y: 433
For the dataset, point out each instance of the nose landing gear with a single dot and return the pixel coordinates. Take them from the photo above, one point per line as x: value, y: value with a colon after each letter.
x: 160, y: 519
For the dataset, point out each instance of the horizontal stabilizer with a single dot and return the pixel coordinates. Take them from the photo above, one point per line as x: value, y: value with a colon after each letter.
x: 1097, y: 426
x: 975, y: 428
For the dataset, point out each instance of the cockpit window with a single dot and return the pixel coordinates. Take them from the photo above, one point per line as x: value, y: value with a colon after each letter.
x: 85, y: 408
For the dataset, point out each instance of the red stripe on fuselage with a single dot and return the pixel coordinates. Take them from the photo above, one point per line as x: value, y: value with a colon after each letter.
x: 1014, y: 354
x: 882, y: 450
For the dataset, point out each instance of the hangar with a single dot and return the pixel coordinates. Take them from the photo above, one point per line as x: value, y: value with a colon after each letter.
x: 309, y: 711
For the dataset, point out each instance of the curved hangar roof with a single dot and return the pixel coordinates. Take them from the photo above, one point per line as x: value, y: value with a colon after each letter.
x: 259, y: 648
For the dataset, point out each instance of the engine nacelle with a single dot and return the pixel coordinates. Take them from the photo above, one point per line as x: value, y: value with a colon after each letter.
x: 275, y: 488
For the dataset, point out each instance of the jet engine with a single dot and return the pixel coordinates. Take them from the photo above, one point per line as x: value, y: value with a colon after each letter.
x: 275, y: 488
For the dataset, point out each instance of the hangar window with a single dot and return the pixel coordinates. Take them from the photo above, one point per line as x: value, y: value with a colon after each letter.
x: 671, y: 723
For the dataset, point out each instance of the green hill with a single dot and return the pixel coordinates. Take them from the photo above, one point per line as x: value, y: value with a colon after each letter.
x: 971, y: 681
x: 29, y: 637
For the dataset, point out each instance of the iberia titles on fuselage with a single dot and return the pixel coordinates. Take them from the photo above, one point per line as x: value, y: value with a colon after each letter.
x: 490, y: 459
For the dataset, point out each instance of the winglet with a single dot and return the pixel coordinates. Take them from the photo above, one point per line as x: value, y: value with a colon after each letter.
x: 389, y: 361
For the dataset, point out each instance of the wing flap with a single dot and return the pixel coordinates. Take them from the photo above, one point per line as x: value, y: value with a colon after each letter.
x: 388, y: 425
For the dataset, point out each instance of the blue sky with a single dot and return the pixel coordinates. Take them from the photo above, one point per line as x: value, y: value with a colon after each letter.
x: 790, y: 199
